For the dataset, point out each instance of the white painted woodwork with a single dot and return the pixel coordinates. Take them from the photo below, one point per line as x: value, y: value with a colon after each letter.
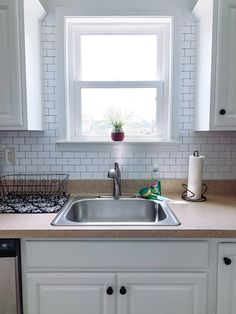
x: 20, y: 65
x: 226, y: 62
x: 72, y: 293
x: 50, y: 254
x: 165, y: 293
x: 10, y: 69
x: 72, y: 276
x: 226, y: 292
x: 216, y: 65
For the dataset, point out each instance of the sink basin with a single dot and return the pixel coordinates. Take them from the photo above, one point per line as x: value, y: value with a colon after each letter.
x: 123, y: 211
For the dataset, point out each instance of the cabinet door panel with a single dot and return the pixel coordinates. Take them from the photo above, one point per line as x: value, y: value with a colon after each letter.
x: 70, y: 293
x: 226, y: 292
x: 163, y: 293
x: 226, y: 62
x: 10, y: 86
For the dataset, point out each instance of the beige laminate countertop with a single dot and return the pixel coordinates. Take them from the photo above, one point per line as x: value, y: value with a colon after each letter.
x: 215, y: 218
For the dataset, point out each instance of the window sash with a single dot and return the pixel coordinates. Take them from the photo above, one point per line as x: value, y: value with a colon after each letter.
x: 74, y: 42
x: 76, y: 115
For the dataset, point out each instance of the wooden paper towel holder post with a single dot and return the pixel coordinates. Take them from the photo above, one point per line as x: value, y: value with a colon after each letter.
x: 186, y: 190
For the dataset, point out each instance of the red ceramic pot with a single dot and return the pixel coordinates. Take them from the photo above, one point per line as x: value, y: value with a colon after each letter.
x: 117, y: 136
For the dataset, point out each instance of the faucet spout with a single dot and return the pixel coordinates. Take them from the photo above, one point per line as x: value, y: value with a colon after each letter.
x: 115, y: 174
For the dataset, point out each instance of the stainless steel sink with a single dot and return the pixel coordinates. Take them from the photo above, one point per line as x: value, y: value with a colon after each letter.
x: 107, y: 211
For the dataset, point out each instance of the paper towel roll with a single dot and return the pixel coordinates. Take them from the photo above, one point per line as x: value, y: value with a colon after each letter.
x: 195, y: 171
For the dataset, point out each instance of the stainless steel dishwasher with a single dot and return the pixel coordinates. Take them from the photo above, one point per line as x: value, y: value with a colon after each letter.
x: 10, y: 281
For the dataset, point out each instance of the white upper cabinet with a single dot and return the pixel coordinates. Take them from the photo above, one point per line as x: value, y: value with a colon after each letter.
x: 216, y: 65
x: 20, y: 59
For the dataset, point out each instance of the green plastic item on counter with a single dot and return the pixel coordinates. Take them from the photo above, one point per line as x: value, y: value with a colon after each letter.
x: 146, y: 193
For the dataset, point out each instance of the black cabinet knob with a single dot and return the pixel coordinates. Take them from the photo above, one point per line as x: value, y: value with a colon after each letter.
x: 123, y: 290
x: 227, y: 260
x: 222, y: 111
x: 109, y: 291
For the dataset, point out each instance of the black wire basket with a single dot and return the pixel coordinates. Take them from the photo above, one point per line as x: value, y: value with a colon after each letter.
x: 33, y: 184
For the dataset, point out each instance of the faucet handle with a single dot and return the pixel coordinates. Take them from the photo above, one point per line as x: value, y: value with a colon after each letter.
x: 111, y: 173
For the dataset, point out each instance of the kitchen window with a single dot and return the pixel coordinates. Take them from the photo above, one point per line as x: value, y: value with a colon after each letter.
x: 118, y: 64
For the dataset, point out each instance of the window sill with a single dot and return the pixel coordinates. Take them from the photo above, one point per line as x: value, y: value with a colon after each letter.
x: 108, y: 145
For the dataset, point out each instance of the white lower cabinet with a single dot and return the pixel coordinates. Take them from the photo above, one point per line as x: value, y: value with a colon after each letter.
x: 164, y: 293
x: 61, y: 277
x: 226, y: 292
x: 70, y: 293
x: 132, y: 293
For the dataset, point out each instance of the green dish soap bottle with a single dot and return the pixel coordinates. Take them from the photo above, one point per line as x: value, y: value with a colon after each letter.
x: 155, y: 183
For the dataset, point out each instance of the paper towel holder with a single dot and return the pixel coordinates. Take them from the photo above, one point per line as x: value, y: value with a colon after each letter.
x: 186, y: 198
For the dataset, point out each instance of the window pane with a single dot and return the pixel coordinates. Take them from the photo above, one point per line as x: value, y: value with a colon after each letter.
x: 137, y: 106
x: 118, y: 57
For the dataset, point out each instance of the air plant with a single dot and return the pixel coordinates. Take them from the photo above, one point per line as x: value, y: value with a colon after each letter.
x: 116, y: 118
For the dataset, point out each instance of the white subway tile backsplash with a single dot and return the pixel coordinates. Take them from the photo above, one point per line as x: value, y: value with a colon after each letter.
x: 80, y: 154
x: 145, y: 161
x: 87, y: 161
x: 81, y: 168
x: 19, y: 169
x: 86, y: 175
x: 93, y: 168
x: 37, y: 161
x: 68, y: 168
x: 44, y: 169
x: 72, y: 161
x: 49, y: 161
x: 18, y: 140
x: 61, y: 161
x: 24, y: 148
x: 56, y: 168
x: 103, y: 154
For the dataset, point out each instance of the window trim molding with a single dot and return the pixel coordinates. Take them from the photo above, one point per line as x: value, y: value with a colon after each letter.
x: 110, y: 146
x: 174, y: 13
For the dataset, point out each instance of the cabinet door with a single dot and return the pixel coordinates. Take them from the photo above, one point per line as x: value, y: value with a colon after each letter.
x: 225, y: 90
x: 162, y: 293
x: 10, y: 71
x: 70, y: 293
x: 226, y: 292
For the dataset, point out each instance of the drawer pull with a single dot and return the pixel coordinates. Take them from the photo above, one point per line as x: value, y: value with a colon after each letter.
x: 222, y: 112
x: 123, y: 291
x: 227, y: 260
x: 109, y: 291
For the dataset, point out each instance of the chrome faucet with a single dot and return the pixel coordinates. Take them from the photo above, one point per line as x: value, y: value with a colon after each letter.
x: 115, y: 174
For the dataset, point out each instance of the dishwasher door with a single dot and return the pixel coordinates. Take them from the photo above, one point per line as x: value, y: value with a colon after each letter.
x: 10, y: 295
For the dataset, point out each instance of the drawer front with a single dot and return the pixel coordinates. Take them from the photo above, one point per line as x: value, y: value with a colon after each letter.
x: 116, y: 254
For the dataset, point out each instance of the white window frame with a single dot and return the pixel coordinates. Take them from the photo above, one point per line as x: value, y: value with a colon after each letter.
x: 169, y: 90
x: 81, y: 26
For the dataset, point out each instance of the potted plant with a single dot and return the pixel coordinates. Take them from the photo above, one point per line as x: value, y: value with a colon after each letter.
x: 116, y: 119
x: 117, y: 133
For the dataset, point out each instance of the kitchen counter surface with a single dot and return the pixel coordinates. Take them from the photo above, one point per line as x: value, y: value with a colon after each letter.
x: 215, y: 218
